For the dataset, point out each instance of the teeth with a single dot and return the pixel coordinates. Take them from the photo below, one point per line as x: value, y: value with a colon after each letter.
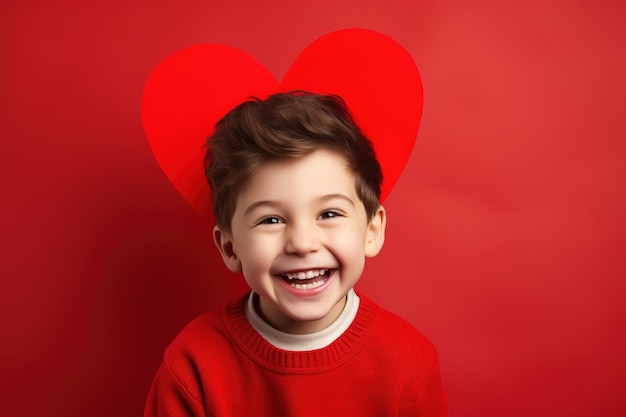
x: 308, y: 286
x: 306, y: 274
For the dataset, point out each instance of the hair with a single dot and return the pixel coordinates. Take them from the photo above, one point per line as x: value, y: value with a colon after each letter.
x: 286, y: 125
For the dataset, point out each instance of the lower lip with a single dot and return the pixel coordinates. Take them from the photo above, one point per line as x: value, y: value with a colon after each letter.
x: 308, y: 292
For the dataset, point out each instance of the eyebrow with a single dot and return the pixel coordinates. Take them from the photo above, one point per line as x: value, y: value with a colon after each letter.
x: 323, y: 199
x: 256, y: 204
x: 340, y: 196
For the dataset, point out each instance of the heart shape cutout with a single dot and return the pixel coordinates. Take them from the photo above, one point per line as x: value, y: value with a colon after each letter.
x: 189, y: 91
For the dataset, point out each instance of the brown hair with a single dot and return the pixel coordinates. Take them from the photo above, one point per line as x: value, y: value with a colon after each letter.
x: 286, y: 125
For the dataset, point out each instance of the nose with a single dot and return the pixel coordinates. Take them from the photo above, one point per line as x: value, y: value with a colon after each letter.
x: 301, y: 239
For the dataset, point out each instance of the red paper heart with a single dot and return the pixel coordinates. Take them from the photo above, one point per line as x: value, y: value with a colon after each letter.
x: 192, y: 89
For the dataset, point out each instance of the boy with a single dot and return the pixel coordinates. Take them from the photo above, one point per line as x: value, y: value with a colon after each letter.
x: 295, y: 188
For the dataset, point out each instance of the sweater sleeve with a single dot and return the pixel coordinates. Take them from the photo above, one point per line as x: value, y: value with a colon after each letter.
x: 432, y: 397
x: 169, y: 396
x: 423, y: 393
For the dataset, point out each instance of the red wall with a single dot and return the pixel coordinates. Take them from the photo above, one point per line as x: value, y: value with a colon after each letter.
x: 506, y: 241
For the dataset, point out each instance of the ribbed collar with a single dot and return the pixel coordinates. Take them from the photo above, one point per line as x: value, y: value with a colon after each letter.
x: 269, y: 356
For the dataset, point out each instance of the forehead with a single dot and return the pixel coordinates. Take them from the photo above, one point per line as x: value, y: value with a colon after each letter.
x: 314, y: 175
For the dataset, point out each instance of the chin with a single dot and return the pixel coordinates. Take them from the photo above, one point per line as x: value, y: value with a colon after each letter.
x: 312, y: 313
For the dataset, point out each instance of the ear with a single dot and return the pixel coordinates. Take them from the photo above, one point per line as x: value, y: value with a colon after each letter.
x: 375, y: 236
x: 225, y: 244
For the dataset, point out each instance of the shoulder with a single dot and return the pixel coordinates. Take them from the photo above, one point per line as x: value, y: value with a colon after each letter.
x: 403, y: 355
x: 197, y: 357
x: 396, y: 334
x: 407, y: 360
x: 205, y: 334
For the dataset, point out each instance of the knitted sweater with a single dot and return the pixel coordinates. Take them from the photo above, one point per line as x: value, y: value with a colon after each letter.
x: 219, y: 365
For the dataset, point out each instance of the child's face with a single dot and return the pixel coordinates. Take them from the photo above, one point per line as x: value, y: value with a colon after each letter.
x: 300, y: 236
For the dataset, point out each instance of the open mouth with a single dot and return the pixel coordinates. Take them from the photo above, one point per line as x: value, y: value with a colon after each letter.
x: 306, y: 280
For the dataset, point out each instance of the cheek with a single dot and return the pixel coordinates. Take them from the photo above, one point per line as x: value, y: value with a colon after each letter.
x: 256, y: 254
x: 349, y: 245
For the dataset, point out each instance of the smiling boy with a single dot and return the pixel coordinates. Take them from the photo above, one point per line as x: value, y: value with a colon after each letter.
x: 300, y: 235
x: 295, y: 189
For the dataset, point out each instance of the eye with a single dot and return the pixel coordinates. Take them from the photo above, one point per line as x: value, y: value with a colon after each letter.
x: 330, y: 214
x: 270, y: 220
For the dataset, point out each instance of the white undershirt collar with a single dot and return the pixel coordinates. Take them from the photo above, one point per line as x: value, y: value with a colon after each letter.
x: 303, y: 342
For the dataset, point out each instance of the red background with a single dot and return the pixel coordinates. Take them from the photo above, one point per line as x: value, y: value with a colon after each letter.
x: 506, y: 236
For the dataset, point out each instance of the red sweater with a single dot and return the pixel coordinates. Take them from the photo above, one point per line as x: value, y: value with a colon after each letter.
x: 220, y: 366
